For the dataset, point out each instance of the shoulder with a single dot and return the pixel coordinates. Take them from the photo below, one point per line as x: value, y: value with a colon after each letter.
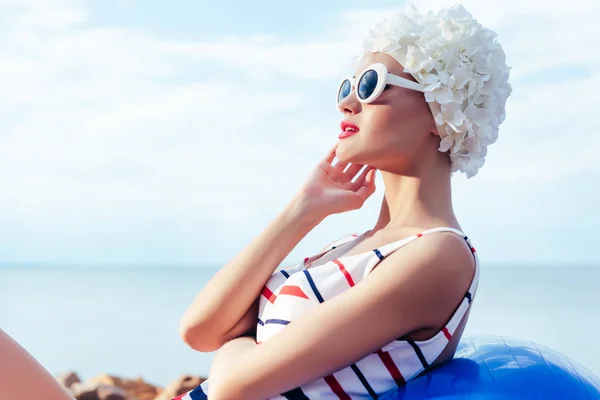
x: 445, y: 250
x: 435, y: 271
x: 440, y: 251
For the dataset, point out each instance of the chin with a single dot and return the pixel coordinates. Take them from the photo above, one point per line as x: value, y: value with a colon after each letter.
x: 346, y: 153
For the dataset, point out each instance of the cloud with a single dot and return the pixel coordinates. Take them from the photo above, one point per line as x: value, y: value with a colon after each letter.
x: 119, y: 145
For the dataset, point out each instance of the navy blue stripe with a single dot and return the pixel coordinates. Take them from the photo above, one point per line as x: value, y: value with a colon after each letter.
x: 260, y: 322
x: 277, y: 321
x: 295, y: 394
x: 468, y: 295
x: 470, y: 248
x: 198, y: 394
x: 313, y: 286
x: 419, y: 354
x: 285, y: 273
x: 378, y: 254
x: 364, y: 381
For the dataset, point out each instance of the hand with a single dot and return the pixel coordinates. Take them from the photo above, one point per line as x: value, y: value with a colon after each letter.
x: 330, y: 190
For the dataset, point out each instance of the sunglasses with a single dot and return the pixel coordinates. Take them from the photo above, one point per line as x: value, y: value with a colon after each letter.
x: 371, y: 83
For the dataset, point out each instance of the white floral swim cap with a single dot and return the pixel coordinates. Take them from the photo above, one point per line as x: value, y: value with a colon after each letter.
x: 463, y: 71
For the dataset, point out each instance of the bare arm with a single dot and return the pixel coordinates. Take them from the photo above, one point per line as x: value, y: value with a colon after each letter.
x: 224, y: 305
x: 23, y: 377
x: 228, y: 298
x: 418, y: 286
x: 246, y: 326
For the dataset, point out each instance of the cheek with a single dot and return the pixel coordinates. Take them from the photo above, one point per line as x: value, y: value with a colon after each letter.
x: 413, y: 117
x: 398, y: 118
x: 383, y: 120
x: 394, y: 122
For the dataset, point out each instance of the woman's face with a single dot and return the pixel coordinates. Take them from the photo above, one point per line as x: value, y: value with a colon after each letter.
x: 395, y: 131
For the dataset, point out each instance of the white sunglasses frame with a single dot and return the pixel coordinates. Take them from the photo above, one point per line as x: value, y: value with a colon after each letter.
x: 384, y: 77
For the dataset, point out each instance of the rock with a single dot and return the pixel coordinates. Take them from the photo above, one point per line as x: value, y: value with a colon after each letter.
x: 68, y: 379
x: 181, y: 385
x: 97, y: 391
x: 135, y: 389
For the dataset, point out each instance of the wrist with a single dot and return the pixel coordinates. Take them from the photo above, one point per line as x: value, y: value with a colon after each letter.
x: 300, y: 213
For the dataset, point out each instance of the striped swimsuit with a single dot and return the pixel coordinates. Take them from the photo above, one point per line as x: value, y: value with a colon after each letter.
x: 291, y: 292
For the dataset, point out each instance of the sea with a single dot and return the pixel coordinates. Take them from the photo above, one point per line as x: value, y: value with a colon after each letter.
x: 124, y: 321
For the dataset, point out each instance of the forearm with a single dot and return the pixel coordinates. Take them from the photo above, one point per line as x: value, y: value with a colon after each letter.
x: 226, y: 297
x: 222, y: 363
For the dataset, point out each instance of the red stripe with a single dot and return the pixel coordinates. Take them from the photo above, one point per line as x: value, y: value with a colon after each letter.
x: 180, y: 396
x: 336, y: 388
x: 446, y: 333
x: 391, y: 367
x: 419, y: 234
x: 473, y: 249
x: 268, y: 294
x: 293, y: 291
x: 345, y: 272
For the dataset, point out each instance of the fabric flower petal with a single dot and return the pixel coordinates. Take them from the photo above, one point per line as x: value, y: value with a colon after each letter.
x: 461, y: 67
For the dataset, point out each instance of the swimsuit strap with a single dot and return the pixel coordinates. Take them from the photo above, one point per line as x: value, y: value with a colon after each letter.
x: 391, y: 247
x: 330, y: 247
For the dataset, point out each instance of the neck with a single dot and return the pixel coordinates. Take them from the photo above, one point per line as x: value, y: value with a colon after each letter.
x: 423, y: 199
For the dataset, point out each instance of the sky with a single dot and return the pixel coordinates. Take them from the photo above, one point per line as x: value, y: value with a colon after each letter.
x: 139, y: 133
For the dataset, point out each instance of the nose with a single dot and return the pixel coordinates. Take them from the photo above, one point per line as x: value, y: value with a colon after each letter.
x: 350, y: 104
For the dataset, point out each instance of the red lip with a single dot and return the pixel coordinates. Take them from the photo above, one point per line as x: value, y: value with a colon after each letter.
x: 347, y: 124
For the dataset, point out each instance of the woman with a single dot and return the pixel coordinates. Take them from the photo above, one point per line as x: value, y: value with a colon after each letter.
x: 372, y: 310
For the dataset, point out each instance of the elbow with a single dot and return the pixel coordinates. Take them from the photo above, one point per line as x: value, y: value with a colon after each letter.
x: 197, y: 338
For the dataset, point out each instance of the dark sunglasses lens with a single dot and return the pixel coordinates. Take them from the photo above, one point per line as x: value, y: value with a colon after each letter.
x: 345, y: 89
x: 367, y: 84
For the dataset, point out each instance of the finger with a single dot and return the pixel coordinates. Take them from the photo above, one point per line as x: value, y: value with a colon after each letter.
x: 368, y: 188
x: 341, y: 166
x: 370, y: 179
x: 331, y: 153
x: 361, y: 178
x: 353, y: 170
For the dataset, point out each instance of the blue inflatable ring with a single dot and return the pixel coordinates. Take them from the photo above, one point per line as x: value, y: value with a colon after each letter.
x: 499, y: 368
